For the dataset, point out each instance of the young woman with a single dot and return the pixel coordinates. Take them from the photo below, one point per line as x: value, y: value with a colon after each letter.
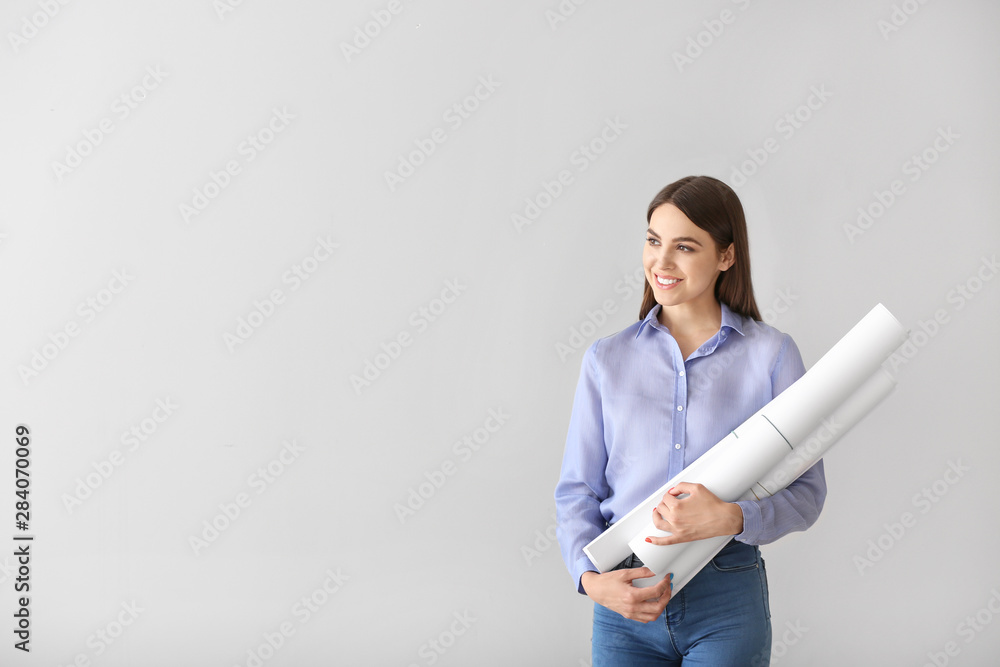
x: 651, y: 399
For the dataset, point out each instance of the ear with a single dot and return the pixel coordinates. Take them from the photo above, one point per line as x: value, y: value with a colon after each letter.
x: 727, y: 258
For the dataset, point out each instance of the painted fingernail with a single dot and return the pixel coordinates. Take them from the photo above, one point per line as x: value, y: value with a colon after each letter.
x: 649, y: 540
x: 671, y: 576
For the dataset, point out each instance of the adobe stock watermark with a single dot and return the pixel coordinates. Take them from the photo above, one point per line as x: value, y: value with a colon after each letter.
x: 120, y: 109
x: 265, y: 308
x: 88, y: 310
x: 132, y: 439
x: 967, y: 629
x: 914, y: 167
x: 543, y: 540
x: 960, y: 295
x: 8, y: 569
x: 899, y: 16
x: 784, y: 639
x: 435, y: 647
x: 104, y: 637
x: 712, y: 31
x: 246, y: 152
x: 463, y: 449
x: 33, y: 23
x: 923, y: 501
x: 582, y: 333
x: 223, y: 7
x: 455, y: 116
x: 562, y: 12
x: 582, y: 158
x: 419, y: 320
x: 365, y: 33
x: 786, y: 126
x: 230, y: 511
x: 302, y: 611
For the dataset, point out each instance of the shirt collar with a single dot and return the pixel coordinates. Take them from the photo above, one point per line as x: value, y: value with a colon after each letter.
x: 730, y: 320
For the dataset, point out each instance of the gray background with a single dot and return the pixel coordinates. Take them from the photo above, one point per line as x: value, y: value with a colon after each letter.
x: 480, y: 545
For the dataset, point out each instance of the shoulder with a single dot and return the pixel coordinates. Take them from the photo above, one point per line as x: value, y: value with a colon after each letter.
x: 617, y: 342
x: 772, y: 344
x: 764, y: 335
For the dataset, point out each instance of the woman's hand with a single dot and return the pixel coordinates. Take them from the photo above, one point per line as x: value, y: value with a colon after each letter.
x: 698, y: 516
x: 615, y: 591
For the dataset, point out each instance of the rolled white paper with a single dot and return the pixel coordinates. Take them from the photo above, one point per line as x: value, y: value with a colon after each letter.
x: 699, y: 553
x: 850, y: 369
x: 751, y: 451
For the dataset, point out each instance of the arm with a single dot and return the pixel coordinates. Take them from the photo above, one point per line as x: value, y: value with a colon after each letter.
x: 798, y: 506
x: 582, y: 485
x: 581, y: 488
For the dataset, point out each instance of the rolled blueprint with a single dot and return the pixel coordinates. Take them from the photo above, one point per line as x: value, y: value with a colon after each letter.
x: 840, y: 388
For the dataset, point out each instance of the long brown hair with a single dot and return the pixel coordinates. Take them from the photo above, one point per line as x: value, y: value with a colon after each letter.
x: 712, y: 205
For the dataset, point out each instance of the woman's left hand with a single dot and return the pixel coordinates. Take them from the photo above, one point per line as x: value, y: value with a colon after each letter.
x: 698, y: 516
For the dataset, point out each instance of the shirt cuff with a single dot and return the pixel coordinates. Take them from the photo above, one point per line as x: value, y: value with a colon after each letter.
x: 753, y: 524
x: 581, y: 566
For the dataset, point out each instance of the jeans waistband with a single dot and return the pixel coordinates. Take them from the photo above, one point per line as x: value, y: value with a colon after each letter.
x: 634, y: 561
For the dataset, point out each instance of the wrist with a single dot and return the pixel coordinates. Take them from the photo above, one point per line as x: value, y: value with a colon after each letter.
x: 735, y: 518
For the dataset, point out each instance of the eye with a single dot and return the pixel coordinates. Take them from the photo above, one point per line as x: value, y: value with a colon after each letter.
x: 652, y: 241
x: 685, y: 248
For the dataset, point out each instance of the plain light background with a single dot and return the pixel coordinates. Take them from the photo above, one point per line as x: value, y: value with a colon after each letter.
x: 856, y: 588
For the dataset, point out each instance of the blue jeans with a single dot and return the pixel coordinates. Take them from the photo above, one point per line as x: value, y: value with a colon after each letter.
x: 720, y: 619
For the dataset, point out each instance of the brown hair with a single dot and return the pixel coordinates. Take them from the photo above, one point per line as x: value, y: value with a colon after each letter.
x: 712, y: 205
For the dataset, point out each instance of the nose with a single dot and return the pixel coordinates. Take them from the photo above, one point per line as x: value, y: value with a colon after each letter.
x: 666, y: 260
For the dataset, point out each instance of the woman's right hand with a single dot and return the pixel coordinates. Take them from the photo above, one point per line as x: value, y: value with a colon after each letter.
x: 615, y: 591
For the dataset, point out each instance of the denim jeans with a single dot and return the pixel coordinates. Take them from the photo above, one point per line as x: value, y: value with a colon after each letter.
x: 720, y: 619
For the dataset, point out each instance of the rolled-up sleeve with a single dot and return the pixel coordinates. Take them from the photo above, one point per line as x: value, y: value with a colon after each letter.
x: 797, y: 506
x: 582, y: 484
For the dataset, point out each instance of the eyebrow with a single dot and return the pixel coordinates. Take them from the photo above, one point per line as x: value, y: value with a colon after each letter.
x: 679, y: 239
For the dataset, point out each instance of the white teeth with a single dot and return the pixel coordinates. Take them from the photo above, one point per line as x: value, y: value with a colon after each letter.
x: 663, y: 281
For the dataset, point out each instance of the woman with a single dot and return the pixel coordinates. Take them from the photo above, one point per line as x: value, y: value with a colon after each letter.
x: 651, y: 399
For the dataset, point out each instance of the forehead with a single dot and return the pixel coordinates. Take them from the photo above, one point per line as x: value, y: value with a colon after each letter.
x: 668, y: 220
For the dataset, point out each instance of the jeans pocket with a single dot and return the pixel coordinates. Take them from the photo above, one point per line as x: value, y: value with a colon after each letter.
x: 736, y: 558
x: 763, y: 589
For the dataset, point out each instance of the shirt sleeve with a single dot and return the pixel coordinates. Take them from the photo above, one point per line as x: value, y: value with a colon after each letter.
x: 798, y: 505
x: 582, y: 482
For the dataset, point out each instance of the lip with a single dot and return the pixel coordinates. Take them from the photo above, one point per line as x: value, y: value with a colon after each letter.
x: 666, y: 287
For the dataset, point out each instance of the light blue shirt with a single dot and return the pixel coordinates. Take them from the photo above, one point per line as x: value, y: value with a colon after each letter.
x: 642, y: 414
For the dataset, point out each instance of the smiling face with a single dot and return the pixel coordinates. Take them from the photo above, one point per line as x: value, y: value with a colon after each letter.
x: 682, y: 261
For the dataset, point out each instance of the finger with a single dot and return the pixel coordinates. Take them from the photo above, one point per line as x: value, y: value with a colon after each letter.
x: 683, y: 488
x: 663, y: 586
x: 634, y: 573
x: 655, y: 592
x: 673, y: 538
x: 667, y: 585
x: 659, y: 521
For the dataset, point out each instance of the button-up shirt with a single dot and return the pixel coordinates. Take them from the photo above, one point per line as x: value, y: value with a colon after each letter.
x: 642, y: 413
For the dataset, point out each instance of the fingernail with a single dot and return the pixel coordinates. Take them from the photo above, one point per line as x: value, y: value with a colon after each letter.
x: 671, y: 576
x: 649, y: 540
x: 671, y: 489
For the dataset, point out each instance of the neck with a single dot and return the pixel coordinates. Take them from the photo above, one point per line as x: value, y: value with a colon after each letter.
x: 689, y: 316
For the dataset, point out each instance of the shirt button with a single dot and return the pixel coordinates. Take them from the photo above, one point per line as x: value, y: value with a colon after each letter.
x: 677, y: 446
x: 681, y: 373
x: 679, y: 408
